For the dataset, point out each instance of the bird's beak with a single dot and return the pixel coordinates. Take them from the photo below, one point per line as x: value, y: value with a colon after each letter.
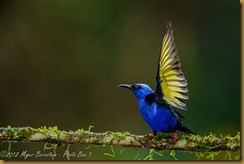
x: 125, y: 86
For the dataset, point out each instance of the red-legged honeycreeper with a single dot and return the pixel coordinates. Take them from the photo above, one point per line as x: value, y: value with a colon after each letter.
x: 158, y: 107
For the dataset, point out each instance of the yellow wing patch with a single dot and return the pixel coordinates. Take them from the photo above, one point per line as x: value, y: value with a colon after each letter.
x: 173, y: 82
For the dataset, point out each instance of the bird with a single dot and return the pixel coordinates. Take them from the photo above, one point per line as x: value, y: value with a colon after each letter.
x: 159, y: 108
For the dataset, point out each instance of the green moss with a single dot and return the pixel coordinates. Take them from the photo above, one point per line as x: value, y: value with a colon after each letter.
x: 181, y: 143
x: 67, y: 150
x: 89, y: 129
x: 9, y: 148
x: 43, y: 130
x: 23, y: 133
x: 55, y: 130
x: 233, y: 145
x: 52, y: 146
x: 120, y: 135
x: 209, y: 152
x: 194, y: 143
x: 80, y: 130
x: 18, y: 133
x: 9, y: 131
x: 212, y: 155
x: 151, y: 154
x: 113, y: 153
x: 172, y: 153
x: 85, y: 132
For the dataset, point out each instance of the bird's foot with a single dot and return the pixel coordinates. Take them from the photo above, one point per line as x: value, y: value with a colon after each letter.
x: 175, y: 136
x: 151, y: 135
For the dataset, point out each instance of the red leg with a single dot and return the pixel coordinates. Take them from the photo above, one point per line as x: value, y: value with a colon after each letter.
x: 151, y: 135
x: 175, y: 136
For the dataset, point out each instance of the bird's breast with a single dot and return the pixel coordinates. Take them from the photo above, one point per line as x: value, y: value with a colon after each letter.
x: 149, y: 111
x: 158, y: 117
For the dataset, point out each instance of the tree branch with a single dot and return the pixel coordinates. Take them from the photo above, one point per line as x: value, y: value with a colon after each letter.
x: 194, y: 143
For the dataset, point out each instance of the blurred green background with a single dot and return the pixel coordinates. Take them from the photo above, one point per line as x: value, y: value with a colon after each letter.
x: 61, y: 62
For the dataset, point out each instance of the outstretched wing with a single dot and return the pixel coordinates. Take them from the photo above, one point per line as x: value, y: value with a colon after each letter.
x: 171, y: 85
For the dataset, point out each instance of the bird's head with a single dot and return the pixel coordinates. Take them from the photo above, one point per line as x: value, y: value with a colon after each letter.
x: 139, y: 90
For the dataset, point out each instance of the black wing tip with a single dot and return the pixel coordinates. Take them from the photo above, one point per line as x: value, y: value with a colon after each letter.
x: 181, y: 107
x: 168, y: 26
x: 179, y: 114
x: 167, y: 22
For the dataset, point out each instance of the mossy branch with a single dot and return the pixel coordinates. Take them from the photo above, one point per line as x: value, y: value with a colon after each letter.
x: 195, y: 143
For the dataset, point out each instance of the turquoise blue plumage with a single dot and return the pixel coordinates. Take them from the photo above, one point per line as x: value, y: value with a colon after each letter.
x: 159, y: 108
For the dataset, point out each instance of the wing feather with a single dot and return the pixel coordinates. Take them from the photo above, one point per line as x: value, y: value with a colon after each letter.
x: 171, y: 82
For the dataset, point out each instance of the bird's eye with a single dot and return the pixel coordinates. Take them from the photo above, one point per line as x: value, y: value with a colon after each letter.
x: 135, y: 87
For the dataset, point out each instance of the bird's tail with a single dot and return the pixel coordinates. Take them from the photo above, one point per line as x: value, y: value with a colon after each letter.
x: 186, y: 130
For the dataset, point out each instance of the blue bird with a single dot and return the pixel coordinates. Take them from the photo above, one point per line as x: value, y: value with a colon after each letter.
x: 158, y: 107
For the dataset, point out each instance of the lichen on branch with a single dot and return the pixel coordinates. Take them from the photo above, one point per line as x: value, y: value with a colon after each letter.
x: 194, y: 143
